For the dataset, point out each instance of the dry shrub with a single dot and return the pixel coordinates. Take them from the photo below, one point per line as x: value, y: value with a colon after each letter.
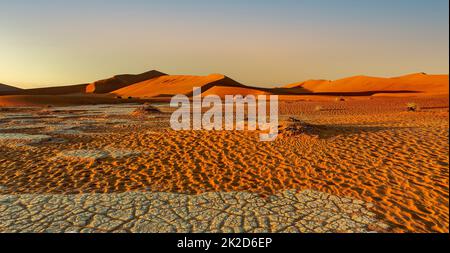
x: 412, y: 107
x: 294, y: 126
x: 146, y: 109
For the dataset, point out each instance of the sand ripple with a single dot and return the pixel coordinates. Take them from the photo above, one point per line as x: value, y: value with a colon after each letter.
x: 384, y: 155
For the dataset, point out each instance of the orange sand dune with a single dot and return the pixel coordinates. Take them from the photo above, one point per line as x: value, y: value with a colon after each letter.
x: 101, y: 86
x: 120, y: 81
x: 172, y: 85
x: 309, y: 83
x: 420, y: 82
x: 157, y: 85
x: 43, y: 100
x: 222, y: 91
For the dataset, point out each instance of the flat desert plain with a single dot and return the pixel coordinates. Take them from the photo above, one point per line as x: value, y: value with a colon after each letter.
x: 339, y: 164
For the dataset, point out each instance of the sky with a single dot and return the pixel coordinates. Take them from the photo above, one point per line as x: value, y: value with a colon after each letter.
x: 256, y: 42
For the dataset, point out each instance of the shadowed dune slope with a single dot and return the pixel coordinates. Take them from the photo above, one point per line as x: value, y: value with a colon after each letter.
x: 222, y: 91
x: 120, y: 81
x: 57, y: 90
x: 177, y: 84
x: 309, y: 83
x: 420, y: 82
x: 7, y: 89
x: 55, y: 100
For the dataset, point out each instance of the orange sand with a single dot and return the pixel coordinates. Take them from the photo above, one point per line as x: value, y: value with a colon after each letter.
x: 222, y: 91
x: 159, y: 86
x: 172, y: 85
x: 120, y: 81
x: 367, y: 148
x: 430, y: 84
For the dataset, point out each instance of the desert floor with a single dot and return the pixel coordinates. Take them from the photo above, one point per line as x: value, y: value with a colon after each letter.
x: 359, y: 165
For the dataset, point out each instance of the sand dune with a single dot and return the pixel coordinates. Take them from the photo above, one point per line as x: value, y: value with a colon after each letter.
x: 4, y: 87
x: 222, y: 91
x: 420, y: 82
x: 57, y: 90
x: 44, y: 100
x: 120, y: 81
x: 156, y: 85
x: 7, y: 89
x: 176, y: 84
x: 101, y: 86
x: 309, y: 83
x: 159, y: 86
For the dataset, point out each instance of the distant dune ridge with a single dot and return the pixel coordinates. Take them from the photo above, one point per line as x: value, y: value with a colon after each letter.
x: 157, y: 85
x: 120, y: 81
x: 419, y: 82
x: 57, y: 90
x: 7, y: 89
x: 222, y: 91
x: 183, y: 84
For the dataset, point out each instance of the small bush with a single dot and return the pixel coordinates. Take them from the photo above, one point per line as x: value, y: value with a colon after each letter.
x: 340, y: 99
x: 119, y: 97
x: 130, y: 97
x: 412, y: 107
x: 145, y: 110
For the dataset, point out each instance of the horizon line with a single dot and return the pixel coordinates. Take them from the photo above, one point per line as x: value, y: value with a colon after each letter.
x: 247, y: 84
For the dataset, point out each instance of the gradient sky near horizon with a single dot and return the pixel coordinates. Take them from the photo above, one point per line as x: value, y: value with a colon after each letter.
x: 264, y: 43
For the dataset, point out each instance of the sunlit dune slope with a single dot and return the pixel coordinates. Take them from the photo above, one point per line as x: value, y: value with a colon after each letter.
x: 120, y: 81
x: 420, y: 82
x: 176, y: 84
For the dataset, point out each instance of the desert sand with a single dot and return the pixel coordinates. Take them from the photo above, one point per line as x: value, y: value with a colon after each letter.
x: 340, y: 164
x: 120, y: 81
x: 173, y: 85
x: 420, y: 83
x: 76, y: 89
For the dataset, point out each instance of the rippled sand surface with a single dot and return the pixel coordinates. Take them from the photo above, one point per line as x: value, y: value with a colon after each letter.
x: 371, y: 150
